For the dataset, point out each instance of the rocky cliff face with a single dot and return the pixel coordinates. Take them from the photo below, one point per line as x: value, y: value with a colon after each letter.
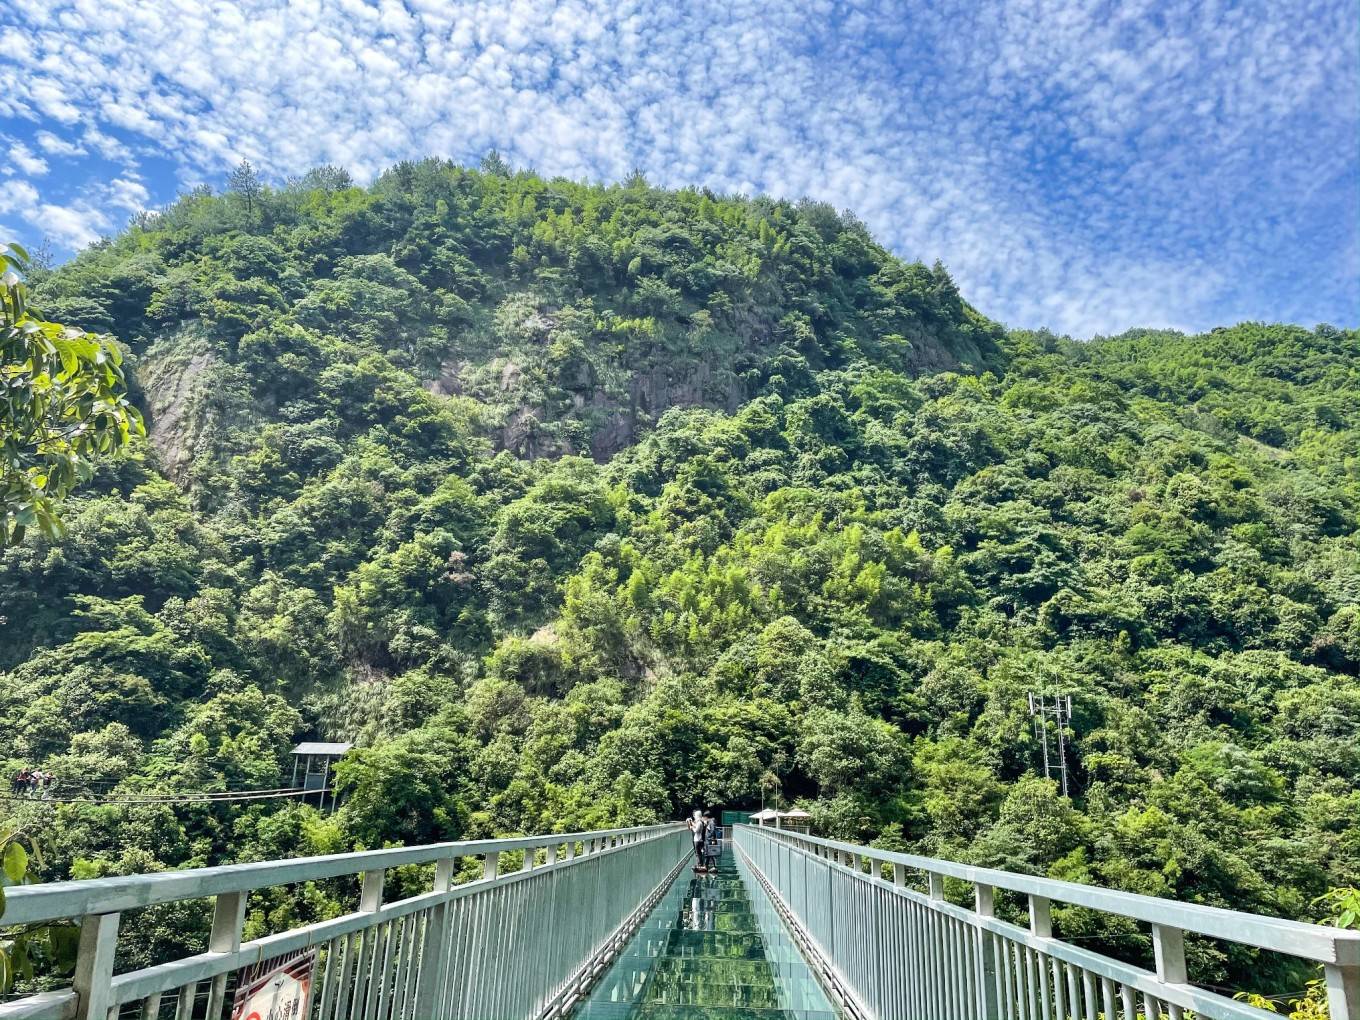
x: 554, y: 389
x: 171, y: 375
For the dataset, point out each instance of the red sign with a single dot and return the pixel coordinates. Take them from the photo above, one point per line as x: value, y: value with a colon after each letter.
x: 278, y: 989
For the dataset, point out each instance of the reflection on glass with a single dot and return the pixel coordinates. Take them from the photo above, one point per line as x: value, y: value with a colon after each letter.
x: 713, y: 948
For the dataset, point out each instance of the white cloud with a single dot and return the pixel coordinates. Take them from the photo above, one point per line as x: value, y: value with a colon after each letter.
x: 17, y: 198
x: 108, y: 146
x: 19, y: 158
x: 55, y: 146
x: 128, y: 194
x: 74, y: 225
x: 1078, y: 165
x: 90, y: 215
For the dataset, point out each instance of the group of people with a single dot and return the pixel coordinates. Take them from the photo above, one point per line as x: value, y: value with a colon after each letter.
x: 707, y: 837
x: 29, y: 782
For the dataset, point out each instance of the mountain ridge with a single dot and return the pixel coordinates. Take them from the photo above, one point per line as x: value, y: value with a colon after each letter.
x: 582, y: 311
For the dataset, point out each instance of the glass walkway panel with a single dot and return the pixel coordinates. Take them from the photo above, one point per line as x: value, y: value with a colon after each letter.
x: 713, y: 948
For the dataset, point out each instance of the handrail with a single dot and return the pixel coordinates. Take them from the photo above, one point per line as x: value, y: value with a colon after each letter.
x: 997, y: 960
x: 1318, y: 942
x: 51, y: 901
x: 438, y: 948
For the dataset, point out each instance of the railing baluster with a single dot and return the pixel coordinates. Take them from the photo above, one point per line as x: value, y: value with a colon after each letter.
x: 327, y: 981
x: 1006, y: 973
x: 1128, y: 1002
x: 414, y: 943
x: 184, y: 1005
x: 1107, y: 998
x: 1088, y: 991
x: 1023, y: 1008
x: 389, y: 932
x: 1029, y: 1006
x: 342, y: 970
x: 1041, y: 967
x: 362, y: 963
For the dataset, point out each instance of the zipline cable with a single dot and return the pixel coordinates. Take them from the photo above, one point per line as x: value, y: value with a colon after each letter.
x: 186, y: 797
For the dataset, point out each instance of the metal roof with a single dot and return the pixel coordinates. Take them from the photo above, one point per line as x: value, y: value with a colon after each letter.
x: 320, y: 747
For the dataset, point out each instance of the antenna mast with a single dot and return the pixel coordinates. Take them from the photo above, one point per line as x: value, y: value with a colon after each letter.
x: 1041, y: 710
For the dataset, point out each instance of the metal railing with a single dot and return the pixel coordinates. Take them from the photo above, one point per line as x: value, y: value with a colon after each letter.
x: 891, y: 952
x: 521, y: 943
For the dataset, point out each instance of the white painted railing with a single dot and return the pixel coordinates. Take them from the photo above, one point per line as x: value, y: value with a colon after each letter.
x: 892, y: 952
x: 512, y: 944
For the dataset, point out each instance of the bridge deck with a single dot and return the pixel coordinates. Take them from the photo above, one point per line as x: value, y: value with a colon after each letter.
x: 712, y: 948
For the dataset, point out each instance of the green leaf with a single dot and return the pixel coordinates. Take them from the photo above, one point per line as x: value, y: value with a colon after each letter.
x: 64, y: 940
x: 16, y: 861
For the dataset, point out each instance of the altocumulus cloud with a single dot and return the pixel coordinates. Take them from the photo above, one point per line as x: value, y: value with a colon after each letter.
x: 1083, y: 165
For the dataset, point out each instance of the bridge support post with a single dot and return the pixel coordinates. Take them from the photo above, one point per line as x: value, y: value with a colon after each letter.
x: 989, y: 999
x: 229, y: 917
x: 1168, y: 948
x: 1343, y: 990
x: 94, y: 965
x: 1040, y: 917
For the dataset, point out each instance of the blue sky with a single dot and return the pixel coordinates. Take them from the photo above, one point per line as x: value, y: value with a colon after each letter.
x: 1081, y: 165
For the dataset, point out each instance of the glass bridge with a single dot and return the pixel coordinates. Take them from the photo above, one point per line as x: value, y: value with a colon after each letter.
x: 713, y: 948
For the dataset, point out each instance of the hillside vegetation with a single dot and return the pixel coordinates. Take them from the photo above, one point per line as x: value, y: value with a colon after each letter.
x: 579, y: 505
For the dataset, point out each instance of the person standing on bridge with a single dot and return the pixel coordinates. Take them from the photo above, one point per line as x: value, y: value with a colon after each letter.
x: 698, y: 831
x: 712, y: 848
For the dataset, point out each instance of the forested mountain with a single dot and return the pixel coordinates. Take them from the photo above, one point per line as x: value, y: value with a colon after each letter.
x: 578, y: 505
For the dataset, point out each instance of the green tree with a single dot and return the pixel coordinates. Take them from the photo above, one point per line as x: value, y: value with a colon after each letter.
x: 244, y: 181
x: 63, y: 406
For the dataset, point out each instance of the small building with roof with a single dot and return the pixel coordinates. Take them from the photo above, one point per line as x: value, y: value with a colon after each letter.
x: 312, y: 761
